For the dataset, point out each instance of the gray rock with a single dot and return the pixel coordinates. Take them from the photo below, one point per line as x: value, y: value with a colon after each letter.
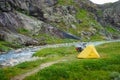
x: 73, y: 26
x: 110, y: 15
x: 22, y: 20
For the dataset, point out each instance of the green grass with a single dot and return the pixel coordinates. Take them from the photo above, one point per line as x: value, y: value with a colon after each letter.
x: 23, y: 31
x: 49, y: 54
x: 6, y: 46
x: 105, y: 68
x: 112, y: 30
x: 65, y: 2
x: 61, y: 51
x: 97, y: 37
x: 49, y: 39
x: 87, y: 19
x: 7, y: 73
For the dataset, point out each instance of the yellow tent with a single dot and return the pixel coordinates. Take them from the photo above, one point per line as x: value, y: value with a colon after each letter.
x: 89, y: 52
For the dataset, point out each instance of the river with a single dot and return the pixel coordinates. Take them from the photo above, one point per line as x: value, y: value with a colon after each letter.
x: 15, y: 57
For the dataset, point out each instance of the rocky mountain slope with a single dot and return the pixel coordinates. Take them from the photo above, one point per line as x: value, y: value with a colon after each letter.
x: 111, y: 14
x: 35, y: 22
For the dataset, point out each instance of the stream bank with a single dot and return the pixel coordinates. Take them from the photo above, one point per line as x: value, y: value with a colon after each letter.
x: 15, y: 57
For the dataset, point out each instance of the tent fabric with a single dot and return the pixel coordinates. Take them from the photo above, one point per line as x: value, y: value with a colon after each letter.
x: 89, y: 52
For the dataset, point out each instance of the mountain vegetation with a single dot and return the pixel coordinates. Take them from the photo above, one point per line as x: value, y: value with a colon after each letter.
x: 40, y: 22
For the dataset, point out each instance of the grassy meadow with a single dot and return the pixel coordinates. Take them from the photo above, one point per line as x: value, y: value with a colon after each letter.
x: 49, y: 54
x: 105, y: 68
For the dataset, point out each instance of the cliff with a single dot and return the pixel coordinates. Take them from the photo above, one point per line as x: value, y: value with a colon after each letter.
x: 38, y: 22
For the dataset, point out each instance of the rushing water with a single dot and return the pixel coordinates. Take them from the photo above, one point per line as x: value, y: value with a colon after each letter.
x: 21, y: 55
x: 17, y: 56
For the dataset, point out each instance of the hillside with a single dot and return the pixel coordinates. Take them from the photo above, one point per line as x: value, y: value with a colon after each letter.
x: 40, y: 22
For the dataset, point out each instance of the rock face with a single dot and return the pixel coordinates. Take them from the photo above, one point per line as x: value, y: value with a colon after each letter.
x: 22, y: 20
x: 111, y: 14
x: 11, y: 20
x: 108, y: 15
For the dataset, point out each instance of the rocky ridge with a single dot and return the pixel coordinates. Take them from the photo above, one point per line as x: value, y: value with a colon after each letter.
x: 32, y: 22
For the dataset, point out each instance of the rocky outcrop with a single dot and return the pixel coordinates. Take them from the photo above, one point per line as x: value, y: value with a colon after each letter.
x: 13, y: 18
x: 10, y: 21
x: 111, y: 14
x: 22, y: 20
x: 107, y: 15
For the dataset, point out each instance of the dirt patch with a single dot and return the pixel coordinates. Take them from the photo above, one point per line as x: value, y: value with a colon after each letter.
x: 42, y: 66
